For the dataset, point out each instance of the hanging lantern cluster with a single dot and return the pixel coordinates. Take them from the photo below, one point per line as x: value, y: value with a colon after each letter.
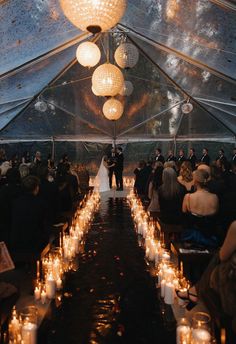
x: 107, y: 80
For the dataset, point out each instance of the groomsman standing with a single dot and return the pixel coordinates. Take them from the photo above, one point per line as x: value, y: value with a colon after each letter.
x: 159, y: 157
x: 221, y: 156
x: 205, y: 157
x: 119, y: 165
x: 171, y: 156
x: 111, y: 165
x: 181, y: 157
x: 233, y: 160
x: 192, y: 158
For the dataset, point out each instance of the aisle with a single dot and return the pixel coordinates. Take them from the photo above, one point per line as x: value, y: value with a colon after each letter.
x: 111, y: 298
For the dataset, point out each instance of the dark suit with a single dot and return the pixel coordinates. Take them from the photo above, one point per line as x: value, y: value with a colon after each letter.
x: 192, y: 159
x: 160, y: 158
x: 206, y: 159
x: 119, y: 165
x: 233, y: 160
x: 111, y: 170
x: 171, y: 158
x: 181, y: 158
x: 222, y: 158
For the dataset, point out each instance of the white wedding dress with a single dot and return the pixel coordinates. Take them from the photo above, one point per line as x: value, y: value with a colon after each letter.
x: 101, y: 182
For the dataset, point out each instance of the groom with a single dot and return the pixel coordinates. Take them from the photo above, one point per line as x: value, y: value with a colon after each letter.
x: 119, y: 165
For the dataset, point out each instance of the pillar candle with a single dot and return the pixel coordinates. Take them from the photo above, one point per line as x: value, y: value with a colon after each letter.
x: 200, y: 336
x: 37, y: 293
x: 169, y: 293
x: 183, y: 333
x: 43, y: 296
x: 29, y: 333
x: 50, y: 287
x: 163, y: 283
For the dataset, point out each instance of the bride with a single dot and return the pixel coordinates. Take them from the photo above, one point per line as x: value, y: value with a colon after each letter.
x: 101, y: 180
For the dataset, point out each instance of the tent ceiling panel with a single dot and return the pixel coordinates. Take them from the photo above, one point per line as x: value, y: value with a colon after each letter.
x: 229, y: 120
x: 195, y: 81
x: 7, y: 116
x: 199, y: 29
x: 31, y: 28
x: 52, y: 122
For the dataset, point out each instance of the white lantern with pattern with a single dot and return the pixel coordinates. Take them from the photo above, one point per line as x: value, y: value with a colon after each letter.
x: 113, y: 109
x: 126, y: 55
x: 88, y: 54
x: 93, y: 15
x: 107, y: 80
x: 127, y: 88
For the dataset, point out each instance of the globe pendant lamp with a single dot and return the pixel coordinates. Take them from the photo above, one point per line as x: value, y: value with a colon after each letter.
x: 95, y: 91
x: 93, y: 15
x: 88, y: 54
x: 126, y: 89
x: 107, y: 80
x: 40, y: 106
x: 113, y: 109
x: 126, y: 55
x: 187, y: 108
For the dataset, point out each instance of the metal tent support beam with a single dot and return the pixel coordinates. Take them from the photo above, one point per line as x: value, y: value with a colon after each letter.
x: 226, y: 4
x: 218, y: 108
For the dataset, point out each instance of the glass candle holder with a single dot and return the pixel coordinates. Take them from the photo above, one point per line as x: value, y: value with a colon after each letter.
x: 29, y: 316
x: 201, y: 328
x: 183, y: 331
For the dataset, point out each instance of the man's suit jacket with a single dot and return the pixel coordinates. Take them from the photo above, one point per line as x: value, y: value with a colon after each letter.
x: 160, y: 158
x: 119, y: 162
x: 171, y: 158
x: 206, y: 159
x: 181, y: 158
x: 193, y: 160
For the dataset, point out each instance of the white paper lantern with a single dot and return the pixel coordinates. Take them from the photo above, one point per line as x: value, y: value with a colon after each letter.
x: 187, y: 108
x: 93, y: 15
x: 126, y: 89
x: 95, y: 92
x: 107, y: 80
x: 88, y: 54
x: 40, y: 106
x: 113, y: 109
x: 126, y: 55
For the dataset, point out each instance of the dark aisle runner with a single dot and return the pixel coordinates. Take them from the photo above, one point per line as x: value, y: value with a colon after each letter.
x: 111, y: 298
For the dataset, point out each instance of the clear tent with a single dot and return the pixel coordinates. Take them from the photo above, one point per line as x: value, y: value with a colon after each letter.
x: 187, y: 50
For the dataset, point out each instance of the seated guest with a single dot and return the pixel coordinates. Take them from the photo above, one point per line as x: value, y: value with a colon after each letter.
x: 185, y: 177
x: 48, y: 193
x: 37, y: 158
x: 154, y: 184
x: 216, y: 287
x: 26, y: 158
x: 216, y: 183
x: 28, y: 231
x: 65, y: 197
x: 24, y: 170
x: 83, y: 176
x: 8, y: 193
x: 141, y: 178
x: 171, y: 195
x: 201, y: 208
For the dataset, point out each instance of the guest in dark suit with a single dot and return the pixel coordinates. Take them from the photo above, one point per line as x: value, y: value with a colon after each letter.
x: 171, y: 156
x: 221, y: 156
x: 205, y: 157
x: 233, y: 160
x: 192, y: 158
x: 119, y: 165
x: 159, y: 156
x: 181, y: 156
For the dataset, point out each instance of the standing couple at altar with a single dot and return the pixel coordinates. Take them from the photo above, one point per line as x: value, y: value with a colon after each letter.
x: 110, y: 165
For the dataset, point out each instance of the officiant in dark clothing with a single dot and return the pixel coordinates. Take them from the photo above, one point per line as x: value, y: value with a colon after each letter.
x: 119, y: 165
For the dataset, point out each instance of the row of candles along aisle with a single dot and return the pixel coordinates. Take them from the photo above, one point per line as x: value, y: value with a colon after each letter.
x: 170, y: 278
x: 51, y: 271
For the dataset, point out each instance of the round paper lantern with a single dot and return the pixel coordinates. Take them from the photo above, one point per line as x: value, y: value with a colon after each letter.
x: 126, y: 55
x: 107, y: 80
x: 113, y: 109
x: 40, y: 106
x: 95, y: 92
x: 88, y: 54
x: 126, y: 89
x: 187, y: 108
x: 93, y: 15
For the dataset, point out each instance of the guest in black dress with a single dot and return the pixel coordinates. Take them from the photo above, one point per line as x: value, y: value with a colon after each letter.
x: 171, y: 195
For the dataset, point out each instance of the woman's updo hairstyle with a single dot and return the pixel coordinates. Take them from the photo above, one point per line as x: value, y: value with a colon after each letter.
x: 200, y: 177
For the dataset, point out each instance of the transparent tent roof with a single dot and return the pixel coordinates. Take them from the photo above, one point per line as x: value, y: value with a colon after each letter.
x: 187, y: 51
